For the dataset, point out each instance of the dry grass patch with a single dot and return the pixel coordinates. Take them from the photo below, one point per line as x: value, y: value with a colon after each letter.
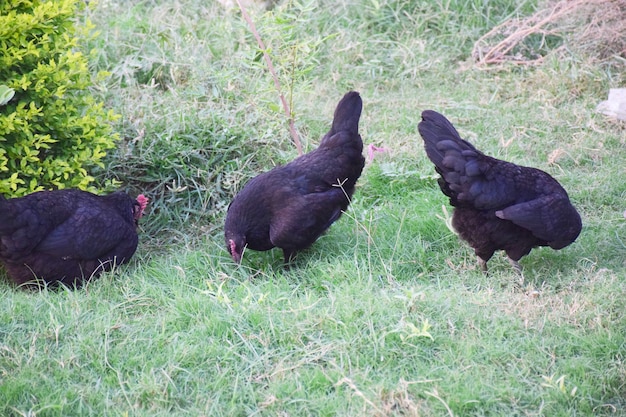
x: 573, y: 305
x: 594, y: 27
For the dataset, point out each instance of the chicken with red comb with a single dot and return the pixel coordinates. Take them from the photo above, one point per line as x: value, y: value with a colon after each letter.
x: 67, y: 236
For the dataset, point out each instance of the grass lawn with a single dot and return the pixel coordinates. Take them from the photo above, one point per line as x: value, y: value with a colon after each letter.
x: 388, y: 313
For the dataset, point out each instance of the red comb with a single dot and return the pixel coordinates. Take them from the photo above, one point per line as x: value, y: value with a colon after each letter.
x: 143, y: 202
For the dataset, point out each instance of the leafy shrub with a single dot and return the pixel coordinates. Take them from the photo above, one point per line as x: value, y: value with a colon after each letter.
x: 52, y: 131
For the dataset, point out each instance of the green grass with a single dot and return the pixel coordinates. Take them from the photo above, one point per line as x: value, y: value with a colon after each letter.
x: 388, y: 313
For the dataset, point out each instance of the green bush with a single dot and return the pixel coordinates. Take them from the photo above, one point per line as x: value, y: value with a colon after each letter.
x: 52, y: 131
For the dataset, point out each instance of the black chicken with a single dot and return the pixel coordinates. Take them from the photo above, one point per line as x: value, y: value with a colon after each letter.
x: 498, y: 205
x: 292, y: 205
x: 67, y: 236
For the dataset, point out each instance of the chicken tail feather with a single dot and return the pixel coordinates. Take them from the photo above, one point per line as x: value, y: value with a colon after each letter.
x: 348, y: 113
x: 442, y: 140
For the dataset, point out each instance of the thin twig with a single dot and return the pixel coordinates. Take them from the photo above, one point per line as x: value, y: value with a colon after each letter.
x: 292, y: 127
